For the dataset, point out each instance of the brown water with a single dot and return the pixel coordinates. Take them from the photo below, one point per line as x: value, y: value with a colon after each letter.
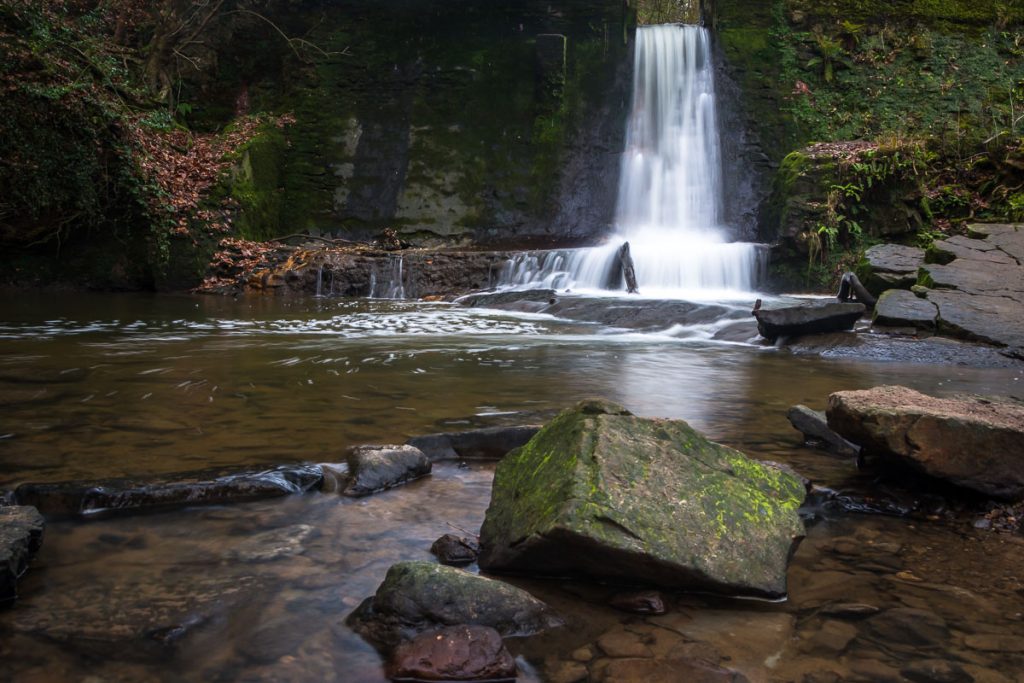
x: 103, y: 386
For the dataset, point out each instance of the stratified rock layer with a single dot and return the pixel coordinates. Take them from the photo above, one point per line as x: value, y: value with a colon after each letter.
x: 973, y: 442
x: 603, y: 493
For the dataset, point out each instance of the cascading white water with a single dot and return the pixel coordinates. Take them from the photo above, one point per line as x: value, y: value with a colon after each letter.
x: 388, y: 281
x: 670, y: 192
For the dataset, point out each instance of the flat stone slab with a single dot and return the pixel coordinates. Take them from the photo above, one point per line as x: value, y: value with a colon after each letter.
x: 817, y: 317
x: 183, y: 488
x: 959, y: 246
x: 902, y: 308
x: 21, y: 535
x: 975, y: 277
x: 992, y: 319
x: 892, y: 266
x: 977, y: 443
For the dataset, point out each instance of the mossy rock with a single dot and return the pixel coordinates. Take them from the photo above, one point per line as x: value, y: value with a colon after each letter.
x: 602, y: 493
x: 417, y: 596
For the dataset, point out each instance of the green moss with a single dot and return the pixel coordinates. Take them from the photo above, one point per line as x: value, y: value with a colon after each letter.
x: 255, y: 184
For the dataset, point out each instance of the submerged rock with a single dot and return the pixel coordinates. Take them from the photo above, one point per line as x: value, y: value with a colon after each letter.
x: 452, y: 549
x: 489, y: 443
x: 814, y: 426
x: 182, y: 488
x: 602, y: 493
x: 21, y: 534
x: 974, y: 442
x: 418, y: 596
x: 816, y: 317
x: 376, y: 468
x: 454, y: 653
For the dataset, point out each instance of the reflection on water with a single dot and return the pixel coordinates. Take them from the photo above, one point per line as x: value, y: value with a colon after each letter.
x: 113, y: 385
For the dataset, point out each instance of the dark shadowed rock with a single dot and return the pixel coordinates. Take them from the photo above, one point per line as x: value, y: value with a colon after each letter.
x: 530, y: 300
x: 454, y: 653
x: 7, y: 498
x: 816, y: 317
x: 902, y: 308
x: 490, y: 443
x: 452, y: 549
x: 892, y: 266
x: 418, y: 596
x: 183, y: 488
x: 603, y: 493
x: 814, y: 426
x: 936, y: 671
x: 973, y: 442
x: 993, y: 319
x: 375, y: 468
x: 639, y: 602
x: 21, y: 534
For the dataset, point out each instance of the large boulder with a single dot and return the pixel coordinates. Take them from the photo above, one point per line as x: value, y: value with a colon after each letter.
x: 21, y: 534
x: 973, y: 442
x: 891, y: 266
x: 816, y: 317
x: 603, y: 493
x: 419, y: 596
x: 903, y: 308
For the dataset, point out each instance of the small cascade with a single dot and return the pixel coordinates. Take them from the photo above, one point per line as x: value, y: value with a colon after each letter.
x: 387, y: 281
x: 670, y: 202
x: 320, y: 280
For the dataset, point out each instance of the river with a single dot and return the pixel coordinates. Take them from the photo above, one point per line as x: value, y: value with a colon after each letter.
x: 97, y: 386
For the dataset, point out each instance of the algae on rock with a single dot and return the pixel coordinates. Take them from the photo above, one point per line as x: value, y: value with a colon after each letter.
x: 602, y: 493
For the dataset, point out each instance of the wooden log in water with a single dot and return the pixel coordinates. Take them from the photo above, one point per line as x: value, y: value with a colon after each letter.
x: 628, y: 271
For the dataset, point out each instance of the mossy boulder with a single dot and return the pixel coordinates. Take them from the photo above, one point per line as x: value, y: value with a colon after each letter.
x: 602, y: 493
x: 417, y: 596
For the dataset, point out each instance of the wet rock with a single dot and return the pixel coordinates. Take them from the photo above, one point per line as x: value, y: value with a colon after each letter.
x: 274, y: 544
x: 642, y: 602
x: 136, y: 619
x: 273, y: 639
x: 885, y: 348
x: 565, y: 672
x: 892, y: 266
x: 905, y: 626
x: 995, y: 642
x: 850, y: 610
x: 21, y: 535
x: 622, y: 643
x: 454, y: 653
x: 976, y: 443
x: 814, y: 426
x: 491, y: 443
x: 662, y: 671
x: 335, y: 477
x: 936, y: 671
x: 212, y: 486
x: 818, y: 317
x: 529, y: 301
x: 7, y: 498
x: 830, y: 638
x: 452, y: 549
x: 875, y: 671
x: 587, y: 496
x: 418, y: 596
x: 902, y: 308
x: 376, y: 468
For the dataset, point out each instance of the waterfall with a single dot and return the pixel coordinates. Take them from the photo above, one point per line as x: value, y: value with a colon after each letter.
x: 670, y: 190
x: 386, y: 282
